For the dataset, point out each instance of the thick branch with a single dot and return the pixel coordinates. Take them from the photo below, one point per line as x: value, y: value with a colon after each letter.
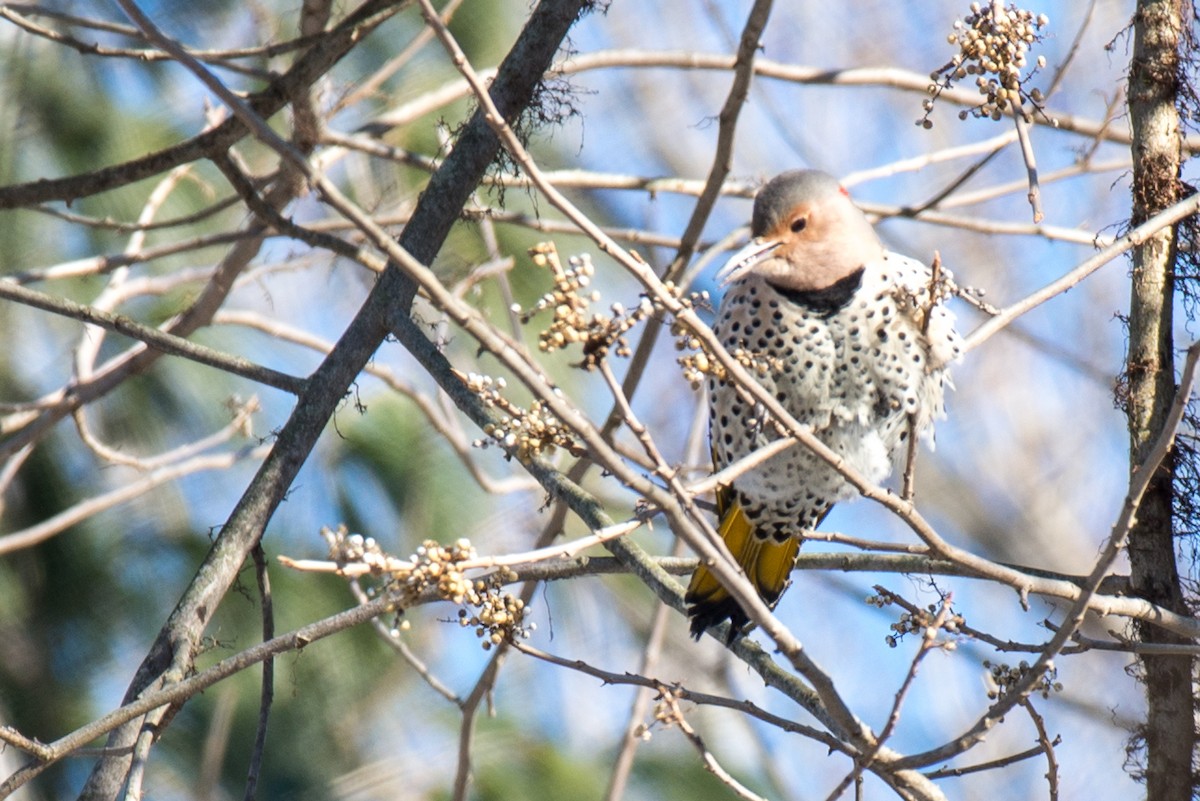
x: 1154, y: 76
x: 172, y: 653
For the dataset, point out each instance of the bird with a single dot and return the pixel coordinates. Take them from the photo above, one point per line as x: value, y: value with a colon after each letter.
x: 853, y: 340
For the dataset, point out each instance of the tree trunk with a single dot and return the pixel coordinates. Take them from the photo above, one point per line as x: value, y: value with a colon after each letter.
x: 1153, y: 94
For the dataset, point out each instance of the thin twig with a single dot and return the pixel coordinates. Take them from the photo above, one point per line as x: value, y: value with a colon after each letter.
x: 674, y: 716
x: 1022, y: 125
x: 929, y: 642
x: 267, y: 694
x: 707, y: 699
x: 397, y: 644
x: 961, y: 627
x: 1047, y: 746
x: 1138, y: 483
x: 161, y: 341
x: 240, y: 425
x: 39, y: 532
x: 117, y: 226
x: 908, y: 483
x: 93, y: 265
x: 139, y: 54
x: 1167, y: 217
x: 743, y: 71
x: 623, y: 764
x: 916, y: 163
x: 726, y: 475
x: 179, y: 691
x: 992, y: 764
x: 565, y: 551
x: 445, y: 427
x: 371, y: 84
x: 260, y: 51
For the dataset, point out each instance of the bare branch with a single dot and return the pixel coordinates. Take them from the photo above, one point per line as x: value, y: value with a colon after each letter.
x: 1158, y: 222
x: 161, y: 341
x: 39, y: 532
x: 1022, y: 125
x: 179, y: 691
x: 1138, y: 483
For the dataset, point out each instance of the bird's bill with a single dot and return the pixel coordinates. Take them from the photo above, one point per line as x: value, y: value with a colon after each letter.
x: 744, y: 260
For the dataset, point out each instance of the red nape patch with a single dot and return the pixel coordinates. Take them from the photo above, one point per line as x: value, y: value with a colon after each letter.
x: 842, y: 189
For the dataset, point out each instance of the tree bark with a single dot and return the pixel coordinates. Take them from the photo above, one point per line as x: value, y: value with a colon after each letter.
x: 1154, y: 76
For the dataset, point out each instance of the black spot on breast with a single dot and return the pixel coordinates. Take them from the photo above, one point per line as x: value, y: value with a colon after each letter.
x: 882, y: 405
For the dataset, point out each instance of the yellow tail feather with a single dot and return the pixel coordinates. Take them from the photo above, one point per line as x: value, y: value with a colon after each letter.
x: 767, y: 563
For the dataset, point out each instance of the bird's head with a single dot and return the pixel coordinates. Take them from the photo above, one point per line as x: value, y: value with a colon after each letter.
x: 807, y: 234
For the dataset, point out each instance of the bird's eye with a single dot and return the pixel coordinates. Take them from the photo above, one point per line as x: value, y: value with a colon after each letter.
x: 798, y: 224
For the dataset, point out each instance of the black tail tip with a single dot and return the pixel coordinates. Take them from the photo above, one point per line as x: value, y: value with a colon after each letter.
x: 706, y: 615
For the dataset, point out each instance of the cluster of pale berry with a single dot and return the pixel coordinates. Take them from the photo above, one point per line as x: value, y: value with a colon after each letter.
x: 574, y: 321
x: 921, y: 622
x: 435, y: 564
x: 703, y: 362
x: 498, y: 615
x: 993, y: 43
x: 346, y: 549
x: 432, y: 564
x: 525, y: 432
x: 1004, y: 677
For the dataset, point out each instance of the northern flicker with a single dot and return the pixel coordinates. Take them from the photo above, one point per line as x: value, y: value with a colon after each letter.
x: 850, y: 339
